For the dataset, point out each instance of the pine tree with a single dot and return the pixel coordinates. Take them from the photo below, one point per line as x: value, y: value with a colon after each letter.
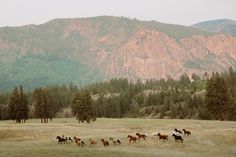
x: 13, y: 101
x: 217, y: 97
x: 43, y: 105
x: 24, y: 105
x: 37, y: 99
x: 18, y: 106
x: 82, y: 107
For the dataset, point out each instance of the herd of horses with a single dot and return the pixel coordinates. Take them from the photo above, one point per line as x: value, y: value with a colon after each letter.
x: 177, y: 135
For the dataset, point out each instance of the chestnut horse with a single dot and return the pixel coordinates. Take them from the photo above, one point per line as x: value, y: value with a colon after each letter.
x: 92, y: 142
x: 76, y: 139
x: 162, y: 137
x: 80, y: 143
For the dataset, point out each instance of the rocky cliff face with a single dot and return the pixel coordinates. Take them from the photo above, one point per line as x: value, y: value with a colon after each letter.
x: 100, y: 48
x: 153, y: 54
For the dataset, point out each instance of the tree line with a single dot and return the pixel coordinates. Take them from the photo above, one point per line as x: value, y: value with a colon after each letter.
x: 211, y: 97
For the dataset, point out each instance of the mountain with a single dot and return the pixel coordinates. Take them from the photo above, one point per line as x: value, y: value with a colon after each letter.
x: 218, y: 26
x: 86, y: 50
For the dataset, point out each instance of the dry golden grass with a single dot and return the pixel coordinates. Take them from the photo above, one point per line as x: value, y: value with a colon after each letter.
x: 209, y: 138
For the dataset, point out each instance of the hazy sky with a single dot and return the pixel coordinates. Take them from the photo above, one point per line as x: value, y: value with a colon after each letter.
x: 185, y: 12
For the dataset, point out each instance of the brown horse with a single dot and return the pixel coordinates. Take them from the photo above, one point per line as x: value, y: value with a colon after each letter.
x: 132, y: 138
x: 141, y: 136
x: 92, y: 142
x: 105, y: 143
x: 186, y: 132
x: 162, y: 137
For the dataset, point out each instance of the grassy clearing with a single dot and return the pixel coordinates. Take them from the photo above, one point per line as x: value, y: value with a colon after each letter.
x: 209, y: 138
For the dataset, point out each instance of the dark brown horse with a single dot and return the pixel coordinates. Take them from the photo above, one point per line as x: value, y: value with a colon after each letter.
x: 162, y: 137
x: 141, y: 136
x: 178, y: 131
x: 132, y: 138
x: 186, y: 132
x: 105, y: 143
x: 61, y: 139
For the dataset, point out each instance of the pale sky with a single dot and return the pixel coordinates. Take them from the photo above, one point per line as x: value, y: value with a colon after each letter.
x: 184, y: 12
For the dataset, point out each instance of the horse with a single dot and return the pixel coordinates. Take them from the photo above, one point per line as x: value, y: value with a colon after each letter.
x: 76, y: 139
x: 69, y: 139
x: 176, y: 130
x: 80, y: 143
x: 186, y: 132
x: 163, y: 137
x: 111, y: 139
x: 132, y: 138
x: 61, y: 139
x: 115, y: 142
x: 105, y: 143
x: 118, y: 141
x: 178, y: 138
x: 92, y: 142
x: 141, y: 136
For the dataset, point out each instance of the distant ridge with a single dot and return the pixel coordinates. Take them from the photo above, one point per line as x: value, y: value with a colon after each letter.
x: 86, y: 50
x: 218, y: 26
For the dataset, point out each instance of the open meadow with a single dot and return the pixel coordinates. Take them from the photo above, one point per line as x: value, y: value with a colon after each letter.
x: 33, y: 139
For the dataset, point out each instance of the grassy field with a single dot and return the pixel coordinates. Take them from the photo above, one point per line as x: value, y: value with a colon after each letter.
x: 32, y: 139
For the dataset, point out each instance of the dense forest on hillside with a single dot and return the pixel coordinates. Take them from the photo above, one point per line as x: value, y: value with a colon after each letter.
x: 210, y: 97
